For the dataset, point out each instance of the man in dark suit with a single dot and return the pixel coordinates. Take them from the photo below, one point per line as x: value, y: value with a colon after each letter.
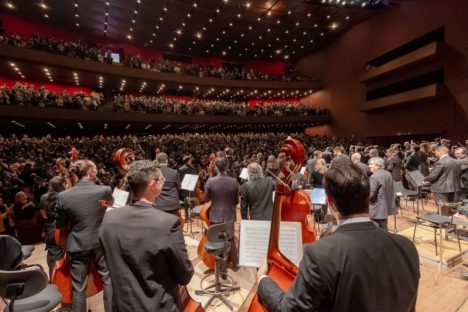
x: 310, y: 166
x: 356, y: 159
x: 145, y: 247
x: 256, y: 195
x: 168, y: 200
x: 413, y: 161
x: 187, y: 168
x: 462, y: 158
x: 81, y: 209
x: 340, y: 157
x: 223, y: 192
x: 359, y: 267
x: 394, y: 164
x: 445, y: 177
x: 382, y: 197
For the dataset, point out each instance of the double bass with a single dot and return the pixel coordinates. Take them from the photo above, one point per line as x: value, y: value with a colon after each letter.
x: 280, y: 268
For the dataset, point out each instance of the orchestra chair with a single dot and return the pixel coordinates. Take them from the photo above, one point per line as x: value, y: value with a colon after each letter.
x: 23, y: 287
x: 218, y: 245
x: 440, y: 221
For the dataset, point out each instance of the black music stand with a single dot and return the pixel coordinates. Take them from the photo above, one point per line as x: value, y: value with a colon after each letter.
x: 416, y: 179
x: 188, y: 183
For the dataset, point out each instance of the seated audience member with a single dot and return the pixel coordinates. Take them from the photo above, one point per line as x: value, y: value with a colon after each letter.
x: 382, y: 198
x: 145, y: 247
x: 6, y: 219
x: 256, y: 194
x: 359, y: 267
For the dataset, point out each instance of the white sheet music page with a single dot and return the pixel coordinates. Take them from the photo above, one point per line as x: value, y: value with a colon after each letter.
x: 189, y: 182
x: 120, y: 198
x: 254, y: 237
x: 244, y: 174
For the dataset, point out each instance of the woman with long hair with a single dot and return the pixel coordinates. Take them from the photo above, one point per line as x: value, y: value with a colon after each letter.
x: 424, y: 165
x: 48, y: 206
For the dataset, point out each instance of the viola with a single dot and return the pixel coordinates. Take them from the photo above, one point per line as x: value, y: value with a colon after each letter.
x: 280, y: 268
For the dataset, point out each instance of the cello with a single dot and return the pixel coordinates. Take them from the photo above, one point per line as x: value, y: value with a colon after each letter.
x: 280, y: 268
x: 208, y: 260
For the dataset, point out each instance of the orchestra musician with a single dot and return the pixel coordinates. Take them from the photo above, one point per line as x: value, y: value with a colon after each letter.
x: 256, y: 194
x: 222, y: 190
x: 168, y: 200
x: 346, y: 270
x: 187, y: 168
x: 145, y: 247
x: 80, y: 210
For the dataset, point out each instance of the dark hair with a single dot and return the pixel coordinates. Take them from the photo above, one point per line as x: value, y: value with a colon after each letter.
x: 56, y: 185
x: 221, y: 164
x: 416, y: 148
x: 140, y: 173
x: 348, y: 187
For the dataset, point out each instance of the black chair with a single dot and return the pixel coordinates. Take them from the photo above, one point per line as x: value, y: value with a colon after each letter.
x: 25, y: 287
x: 218, y: 245
x: 442, y: 221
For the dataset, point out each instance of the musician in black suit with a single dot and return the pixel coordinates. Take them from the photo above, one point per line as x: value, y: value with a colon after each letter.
x: 145, y: 247
x: 359, y: 267
x: 81, y: 209
x: 256, y: 194
x: 168, y: 200
x: 310, y: 166
x: 187, y: 168
x: 340, y: 156
x: 394, y: 164
x: 413, y: 161
x: 356, y: 159
x: 462, y: 158
x: 445, y: 176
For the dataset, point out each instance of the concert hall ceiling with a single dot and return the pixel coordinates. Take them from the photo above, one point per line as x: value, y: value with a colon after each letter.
x: 237, y: 29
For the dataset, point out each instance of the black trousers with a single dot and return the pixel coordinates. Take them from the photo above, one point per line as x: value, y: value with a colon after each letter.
x: 54, y: 252
x: 80, y: 264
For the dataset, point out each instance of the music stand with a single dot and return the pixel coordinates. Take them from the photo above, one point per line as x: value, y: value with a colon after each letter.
x: 188, y: 183
x: 317, y: 198
x: 416, y: 179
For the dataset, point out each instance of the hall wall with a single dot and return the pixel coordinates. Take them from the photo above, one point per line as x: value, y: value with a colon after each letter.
x: 341, y: 63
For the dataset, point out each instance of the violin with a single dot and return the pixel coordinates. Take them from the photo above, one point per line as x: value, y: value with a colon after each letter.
x: 280, y: 268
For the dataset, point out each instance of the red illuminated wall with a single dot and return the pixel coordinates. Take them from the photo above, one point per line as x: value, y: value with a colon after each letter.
x: 24, y: 28
x: 52, y: 87
x: 341, y: 63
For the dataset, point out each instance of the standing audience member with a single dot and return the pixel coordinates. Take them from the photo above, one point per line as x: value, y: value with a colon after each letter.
x: 25, y: 218
x: 346, y: 270
x: 145, y: 247
x: 256, y: 195
x: 48, y: 210
x: 445, y: 177
x: 382, y: 197
x: 81, y: 210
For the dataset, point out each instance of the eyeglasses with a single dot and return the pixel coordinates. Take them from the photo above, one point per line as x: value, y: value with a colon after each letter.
x: 162, y: 179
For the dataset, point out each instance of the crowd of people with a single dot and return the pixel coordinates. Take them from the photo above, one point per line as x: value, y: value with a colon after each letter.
x: 358, y: 179
x: 93, y: 52
x: 23, y: 94
x: 167, y: 105
x: 27, y: 95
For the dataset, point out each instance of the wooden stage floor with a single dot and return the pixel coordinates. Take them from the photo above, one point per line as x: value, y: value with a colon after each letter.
x: 438, y: 291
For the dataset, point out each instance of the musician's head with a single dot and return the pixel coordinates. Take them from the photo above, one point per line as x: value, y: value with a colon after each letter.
x: 221, y: 164
x: 254, y: 171
x: 347, y: 190
x: 187, y: 159
x: 460, y: 152
x: 84, y: 169
x: 441, y: 151
x: 161, y: 158
x: 57, y: 184
x: 145, y: 179
x: 376, y: 163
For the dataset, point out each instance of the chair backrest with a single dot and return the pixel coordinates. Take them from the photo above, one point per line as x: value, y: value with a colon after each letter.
x: 11, y: 253
x: 398, y: 187
x: 34, y: 279
x: 221, y: 232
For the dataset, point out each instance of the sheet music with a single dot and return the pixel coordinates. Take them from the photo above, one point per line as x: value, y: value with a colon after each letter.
x: 254, y: 237
x: 189, y: 182
x: 303, y: 169
x: 244, y: 174
x: 120, y: 198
